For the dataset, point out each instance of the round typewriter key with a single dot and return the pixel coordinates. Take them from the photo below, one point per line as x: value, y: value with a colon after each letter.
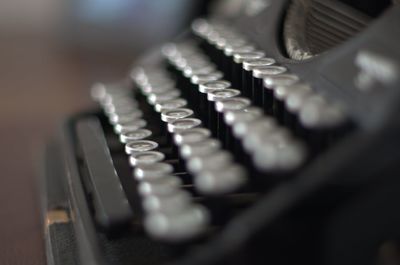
x: 237, y: 69
x: 278, y: 106
x: 247, y: 76
x: 139, y: 134
x: 281, y: 157
x: 236, y: 48
x: 234, y: 117
x: 201, y: 27
x: 146, y: 157
x: 253, y: 131
x: 260, y: 97
x: 221, y: 94
x: 270, y: 82
x: 294, y: 101
x: 191, y: 136
x: 154, y: 99
x: 160, y: 187
x: 170, y: 104
x: 101, y: 91
x: 197, y: 80
x: 228, y: 62
x: 158, y: 88
x: 242, y: 115
x: 297, y: 96
x: 222, y: 106
x: 221, y: 43
x: 204, y: 89
x: 175, y: 114
x: 274, y: 136
x: 200, y: 148
x: 214, y: 96
x: 167, y: 203
x: 210, y: 86
x: 317, y: 113
x: 129, y: 126
x: 194, y: 59
x: 320, y: 121
x: 115, y: 103
x: 183, y: 124
x: 125, y: 118
x: 152, y: 171
x: 214, y: 161
x: 133, y: 147
x: 112, y: 110
x: 178, y: 227
x: 199, y: 69
x: 251, y: 64
x: 222, y: 181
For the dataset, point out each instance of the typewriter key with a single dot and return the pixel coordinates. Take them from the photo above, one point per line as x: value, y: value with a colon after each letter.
x: 197, y: 80
x: 160, y: 187
x: 229, y: 50
x: 152, y: 171
x: 146, y: 157
x: 234, y: 117
x: 242, y: 115
x: 213, y: 97
x: 133, y: 147
x: 191, y: 136
x: 237, y: 69
x: 183, y: 124
x: 125, y: 118
x: 270, y: 82
x: 221, y: 43
x: 213, y: 161
x: 170, y: 104
x: 154, y: 99
x: 222, y: 181
x: 260, y: 95
x: 199, y: 69
x: 120, y: 110
x: 282, y: 80
x: 294, y: 100
x: 200, y: 26
x: 175, y: 114
x: 158, y: 88
x: 247, y: 73
x: 320, y: 121
x: 204, y: 104
x: 129, y: 126
x: 168, y: 202
x: 242, y: 127
x: 277, y: 158
x: 139, y: 134
x: 99, y: 91
x: 189, y: 72
x: 117, y: 102
x: 177, y: 227
x: 222, y: 106
x: 200, y: 148
x: 194, y: 59
x: 259, y: 129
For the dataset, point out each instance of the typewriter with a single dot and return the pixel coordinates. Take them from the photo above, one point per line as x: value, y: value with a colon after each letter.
x: 266, y: 133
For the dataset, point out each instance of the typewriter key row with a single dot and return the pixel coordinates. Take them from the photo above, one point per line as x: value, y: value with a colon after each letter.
x: 170, y: 213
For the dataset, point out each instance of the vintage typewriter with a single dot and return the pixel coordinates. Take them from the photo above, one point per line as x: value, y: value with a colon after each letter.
x: 268, y: 133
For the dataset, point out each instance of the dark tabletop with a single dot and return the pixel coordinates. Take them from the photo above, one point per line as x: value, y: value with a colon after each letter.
x: 40, y: 84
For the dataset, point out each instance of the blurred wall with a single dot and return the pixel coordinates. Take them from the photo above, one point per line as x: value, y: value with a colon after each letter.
x: 29, y: 16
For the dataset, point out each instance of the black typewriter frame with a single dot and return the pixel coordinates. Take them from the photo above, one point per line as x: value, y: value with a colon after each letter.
x: 362, y: 211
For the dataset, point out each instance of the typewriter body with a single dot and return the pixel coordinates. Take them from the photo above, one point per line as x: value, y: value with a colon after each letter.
x: 264, y: 135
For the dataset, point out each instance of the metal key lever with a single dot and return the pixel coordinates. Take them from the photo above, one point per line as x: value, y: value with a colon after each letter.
x: 110, y: 203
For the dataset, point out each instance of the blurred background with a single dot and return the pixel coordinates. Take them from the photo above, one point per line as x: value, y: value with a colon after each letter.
x: 51, y: 51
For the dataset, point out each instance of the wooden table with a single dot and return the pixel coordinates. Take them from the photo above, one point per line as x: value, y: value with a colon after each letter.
x: 40, y: 84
